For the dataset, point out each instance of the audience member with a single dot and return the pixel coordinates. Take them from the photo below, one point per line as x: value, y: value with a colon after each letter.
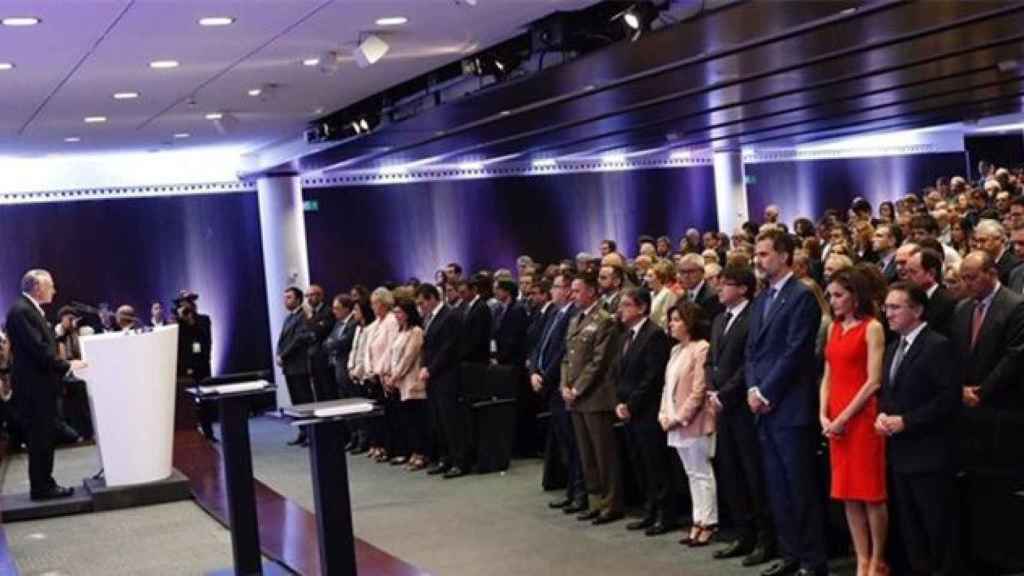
x: 292, y: 354
x: 401, y: 379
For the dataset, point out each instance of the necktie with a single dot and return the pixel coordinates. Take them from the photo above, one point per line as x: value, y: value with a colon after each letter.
x: 629, y: 341
x: 771, y: 302
x: 897, y: 359
x: 979, y: 318
x: 728, y: 320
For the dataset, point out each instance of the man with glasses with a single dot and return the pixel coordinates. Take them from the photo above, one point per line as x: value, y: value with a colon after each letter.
x: 691, y: 277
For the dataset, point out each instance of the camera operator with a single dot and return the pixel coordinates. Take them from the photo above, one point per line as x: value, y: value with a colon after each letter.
x: 194, y: 341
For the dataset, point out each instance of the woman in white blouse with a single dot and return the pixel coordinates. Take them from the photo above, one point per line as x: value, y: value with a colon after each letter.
x: 362, y: 314
x: 687, y: 415
x: 379, y: 336
x: 403, y: 380
x: 663, y: 298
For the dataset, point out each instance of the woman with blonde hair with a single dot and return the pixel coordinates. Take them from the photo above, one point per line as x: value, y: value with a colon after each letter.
x: 379, y: 336
x: 660, y: 279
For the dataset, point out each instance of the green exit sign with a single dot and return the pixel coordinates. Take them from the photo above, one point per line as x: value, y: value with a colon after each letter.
x: 311, y: 206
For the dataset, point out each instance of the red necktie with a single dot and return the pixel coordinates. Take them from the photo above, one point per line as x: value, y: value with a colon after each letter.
x: 979, y: 318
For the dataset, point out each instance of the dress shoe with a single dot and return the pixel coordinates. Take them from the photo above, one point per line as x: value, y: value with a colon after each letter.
x: 589, y: 516
x: 641, y: 524
x: 360, y: 450
x: 734, y: 550
x: 556, y: 504
x: 809, y: 572
x: 576, y: 507
x: 299, y: 440
x: 52, y: 493
x: 454, y: 472
x: 608, y: 518
x: 659, y: 528
x: 782, y: 568
x: 438, y: 468
x: 760, y: 555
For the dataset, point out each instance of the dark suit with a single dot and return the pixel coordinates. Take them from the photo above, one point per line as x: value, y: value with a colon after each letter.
x: 611, y: 303
x: 994, y: 364
x: 1016, y: 283
x: 441, y: 359
x: 510, y: 335
x: 926, y: 394
x: 36, y: 373
x: 195, y: 340
x: 1006, y: 263
x: 889, y: 268
x: 318, y: 328
x: 939, y: 314
x: 547, y: 361
x: 540, y: 318
x: 779, y: 348
x: 708, y: 301
x: 292, y: 349
x: 739, y: 454
x: 338, y: 346
x: 641, y: 377
x: 475, y: 337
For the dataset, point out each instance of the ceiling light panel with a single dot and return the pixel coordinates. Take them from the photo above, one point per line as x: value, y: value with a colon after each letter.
x: 20, y: 21
x: 213, y: 21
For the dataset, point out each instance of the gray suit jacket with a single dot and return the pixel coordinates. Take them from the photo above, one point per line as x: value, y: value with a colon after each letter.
x: 293, y: 345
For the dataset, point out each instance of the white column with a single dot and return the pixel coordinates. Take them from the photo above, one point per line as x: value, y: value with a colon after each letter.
x: 730, y: 190
x: 285, y: 261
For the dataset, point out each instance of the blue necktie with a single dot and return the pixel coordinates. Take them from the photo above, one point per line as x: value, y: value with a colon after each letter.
x: 771, y: 302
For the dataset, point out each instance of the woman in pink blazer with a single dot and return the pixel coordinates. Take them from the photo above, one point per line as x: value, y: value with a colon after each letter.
x: 379, y: 336
x: 402, y: 379
x: 687, y: 416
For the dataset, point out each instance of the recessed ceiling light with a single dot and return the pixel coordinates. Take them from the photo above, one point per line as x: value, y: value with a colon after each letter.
x: 216, y: 21
x: 311, y: 62
x: 392, y: 21
x: 164, y: 64
x: 6, y: 65
x: 95, y: 119
x: 72, y: 139
x: 214, y: 116
x: 19, y: 21
x: 181, y: 135
x: 125, y: 95
x: 255, y: 92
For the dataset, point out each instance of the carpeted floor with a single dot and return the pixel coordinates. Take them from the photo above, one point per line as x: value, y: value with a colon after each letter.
x: 478, y: 525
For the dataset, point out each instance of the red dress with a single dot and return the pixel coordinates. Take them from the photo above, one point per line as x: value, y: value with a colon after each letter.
x: 858, y: 455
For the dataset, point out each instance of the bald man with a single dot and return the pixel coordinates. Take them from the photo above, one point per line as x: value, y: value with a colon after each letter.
x: 319, y: 322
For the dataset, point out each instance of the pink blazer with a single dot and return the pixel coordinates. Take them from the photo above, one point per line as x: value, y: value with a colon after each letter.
x: 405, y: 364
x: 381, y: 333
x: 685, y: 396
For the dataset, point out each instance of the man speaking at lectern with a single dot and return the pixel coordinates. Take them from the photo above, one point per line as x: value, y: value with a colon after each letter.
x: 36, y: 372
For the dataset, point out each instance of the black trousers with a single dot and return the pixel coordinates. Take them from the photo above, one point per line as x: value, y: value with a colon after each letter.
x: 416, y: 425
x: 377, y: 428
x: 323, y: 385
x: 924, y: 505
x: 649, y: 449
x: 395, y: 441
x: 39, y: 409
x: 299, y: 389
x: 565, y: 435
x: 450, y: 418
x: 741, y: 477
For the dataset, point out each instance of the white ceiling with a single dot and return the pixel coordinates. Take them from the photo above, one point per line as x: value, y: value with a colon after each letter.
x: 69, y: 66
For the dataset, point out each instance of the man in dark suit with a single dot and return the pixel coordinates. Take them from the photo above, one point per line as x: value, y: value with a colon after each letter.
x: 925, y: 270
x: 610, y: 278
x: 542, y: 313
x: 475, y: 338
x: 195, y: 341
x: 739, y: 454
x: 640, y: 378
x: 990, y: 237
x: 36, y: 374
x: 1017, y: 241
x: 988, y: 332
x: 319, y: 322
x: 338, y: 344
x: 919, y: 399
x: 781, y: 391
x: 590, y: 394
x: 440, y: 372
x: 691, y: 277
x: 293, y: 354
x: 884, y: 243
x: 511, y: 325
x: 545, y: 380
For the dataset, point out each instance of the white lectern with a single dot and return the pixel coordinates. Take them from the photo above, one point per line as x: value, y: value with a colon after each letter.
x: 131, y: 380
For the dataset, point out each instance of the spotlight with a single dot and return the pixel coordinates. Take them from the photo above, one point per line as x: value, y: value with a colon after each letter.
x: 370, y: 50
x: 226, y: 123
x: 638, y: 18
x: 498, y: 65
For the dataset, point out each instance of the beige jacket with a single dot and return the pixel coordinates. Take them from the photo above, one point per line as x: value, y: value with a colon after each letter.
x: 684, y: 399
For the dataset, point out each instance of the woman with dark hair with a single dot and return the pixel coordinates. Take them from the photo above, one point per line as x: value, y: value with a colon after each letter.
x: 887, y: 212
x: 406, y: 394
x: 362, y: 313
x: 848, y: 409
x: 960, y: 236
x: 687, y: 416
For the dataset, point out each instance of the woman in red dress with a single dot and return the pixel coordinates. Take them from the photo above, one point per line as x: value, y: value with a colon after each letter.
x: 849, y: 406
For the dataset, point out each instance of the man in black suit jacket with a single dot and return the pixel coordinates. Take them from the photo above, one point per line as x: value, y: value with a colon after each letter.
x: 475, y: 337
x: 542, y: 311
x: 36, y: 374
x: 511, y: 325
x: 319, y: 323
x: 988, y: 332
x: 641, y: 376
x: 691, y: 276
x: 884, y: 243
x: 339, y: 342
x: 293, y: 354
x: 919, y: 399
x: 545, y: 379
x: 1016, y: 282
x: 990, y: 236
x: 440, y: 372
x: 925, y: 270
x: 739, y: 454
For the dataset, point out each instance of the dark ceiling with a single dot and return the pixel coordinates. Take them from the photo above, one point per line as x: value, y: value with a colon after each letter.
x: 757, y: 72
